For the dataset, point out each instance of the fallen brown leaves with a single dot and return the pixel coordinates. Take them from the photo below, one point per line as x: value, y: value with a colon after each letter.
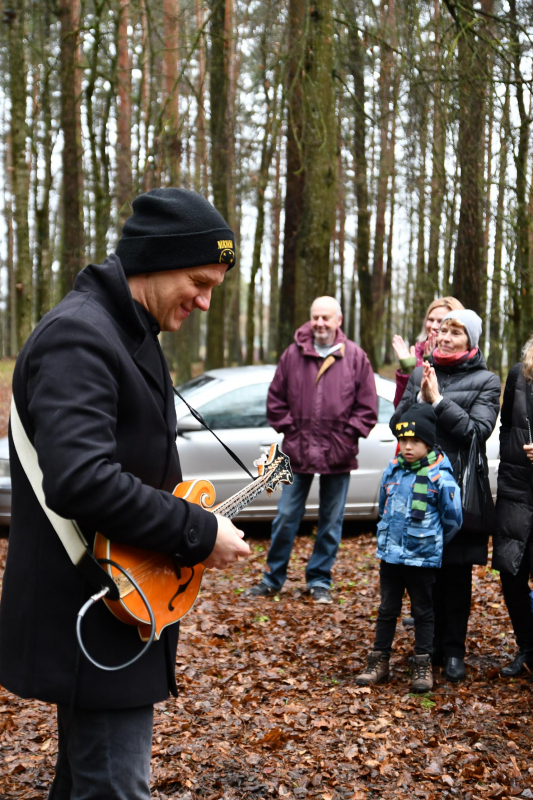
x: 268, y: 706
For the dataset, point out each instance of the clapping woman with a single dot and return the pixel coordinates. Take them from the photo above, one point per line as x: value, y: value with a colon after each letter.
x: 466, y: 399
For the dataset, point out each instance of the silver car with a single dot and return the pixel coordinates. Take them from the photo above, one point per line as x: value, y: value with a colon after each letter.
x: 233, y: 403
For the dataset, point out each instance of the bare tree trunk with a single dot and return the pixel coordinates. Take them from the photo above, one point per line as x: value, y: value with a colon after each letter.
x: 124, y: 185
x: 356, y: 62
x: 523, y: 311
x: 495, y: 347
x: 274, y: 259
x: 201, y: 179
x: 378, y: 276
x: 295, y: 176
x: 171, y: 137
x: 219, y: 79
x: 319, y: 141
x: 472, y: 55
x: 438, y: 170
x: 43, y: 154
x: 72, y: 240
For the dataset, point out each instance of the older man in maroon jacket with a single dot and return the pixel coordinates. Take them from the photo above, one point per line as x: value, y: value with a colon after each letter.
x: 323, y: 398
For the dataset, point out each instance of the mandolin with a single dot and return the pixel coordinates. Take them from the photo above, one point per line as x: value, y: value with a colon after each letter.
x: 171, y: 590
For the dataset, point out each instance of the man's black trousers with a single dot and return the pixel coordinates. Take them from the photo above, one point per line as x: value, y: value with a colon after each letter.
x: 395, y: 579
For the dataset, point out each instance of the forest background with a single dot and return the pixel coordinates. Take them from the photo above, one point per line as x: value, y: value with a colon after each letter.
x: 376, y: 150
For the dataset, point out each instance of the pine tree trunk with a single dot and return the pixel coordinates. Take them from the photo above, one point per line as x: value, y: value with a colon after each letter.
x: 200, y: 163
x: 72, y: 239
x: 19, y: 179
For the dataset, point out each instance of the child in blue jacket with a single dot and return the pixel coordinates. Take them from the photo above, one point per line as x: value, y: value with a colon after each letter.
x: 420, y: 510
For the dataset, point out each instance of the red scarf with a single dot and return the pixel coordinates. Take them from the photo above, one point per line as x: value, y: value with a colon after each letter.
x: 447, y: 360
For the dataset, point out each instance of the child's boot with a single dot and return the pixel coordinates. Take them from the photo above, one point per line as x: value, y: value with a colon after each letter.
x: 422, y: 675
x: 376, y: 671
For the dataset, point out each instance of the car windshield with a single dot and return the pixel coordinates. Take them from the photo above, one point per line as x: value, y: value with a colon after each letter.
x: 192, y: 388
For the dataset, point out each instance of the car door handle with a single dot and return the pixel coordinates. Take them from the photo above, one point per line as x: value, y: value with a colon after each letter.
x: 387, y: 440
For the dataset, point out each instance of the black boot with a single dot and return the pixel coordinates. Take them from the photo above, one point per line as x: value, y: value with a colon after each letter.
x: 454, y: 669
x: 518, y: 664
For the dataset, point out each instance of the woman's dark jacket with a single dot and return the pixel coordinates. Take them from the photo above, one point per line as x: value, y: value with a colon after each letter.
x: 95, y: 398
x: 514, y: 506
x: 471, y: 401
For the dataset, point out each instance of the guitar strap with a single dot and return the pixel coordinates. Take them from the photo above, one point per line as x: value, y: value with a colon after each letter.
x: 196, y: 414
x: 68, y: 530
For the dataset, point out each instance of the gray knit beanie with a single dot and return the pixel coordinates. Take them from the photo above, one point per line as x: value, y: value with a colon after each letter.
x: 471, y: 321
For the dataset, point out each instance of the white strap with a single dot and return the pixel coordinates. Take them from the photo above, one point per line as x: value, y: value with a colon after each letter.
x: 68, y: 531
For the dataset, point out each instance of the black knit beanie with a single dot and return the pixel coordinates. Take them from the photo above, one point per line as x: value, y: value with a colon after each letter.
x: 174, y: 229
x: 419, y: 420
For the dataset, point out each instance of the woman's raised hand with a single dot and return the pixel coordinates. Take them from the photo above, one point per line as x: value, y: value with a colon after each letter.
x: 400, y: 348
x: 429, y: 388
x: 430, y: 343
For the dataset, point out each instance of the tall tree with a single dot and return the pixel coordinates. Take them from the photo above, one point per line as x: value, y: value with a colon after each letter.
x: 72, y: 239
x: 124, y: 183
x: 356, y: 57
x: 472, y: 67
x: 171, y: 136
x: 19, y: 181
x: 218, y: 93
x: 294, y: 173
x: 319, y: 145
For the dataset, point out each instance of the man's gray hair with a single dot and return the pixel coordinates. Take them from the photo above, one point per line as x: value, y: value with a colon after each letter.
x: 334, y: 301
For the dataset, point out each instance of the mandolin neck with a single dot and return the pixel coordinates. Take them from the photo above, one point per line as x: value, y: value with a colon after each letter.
x: 234, y: 504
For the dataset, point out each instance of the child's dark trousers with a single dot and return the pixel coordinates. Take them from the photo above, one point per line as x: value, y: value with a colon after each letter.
x: 418, y: 581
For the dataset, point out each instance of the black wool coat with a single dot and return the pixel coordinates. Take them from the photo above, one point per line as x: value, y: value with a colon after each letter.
x: 95, y: 398
x: 471, y: 401
x: 514, y: 506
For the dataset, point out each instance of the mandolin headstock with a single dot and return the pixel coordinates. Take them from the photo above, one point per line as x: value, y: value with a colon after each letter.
x: 274, y: 468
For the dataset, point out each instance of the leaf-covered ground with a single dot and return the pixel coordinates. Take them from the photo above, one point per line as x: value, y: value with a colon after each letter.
x: 268, y: 704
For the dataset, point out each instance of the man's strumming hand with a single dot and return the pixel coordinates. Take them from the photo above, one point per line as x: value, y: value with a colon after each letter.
x: 229, y: 545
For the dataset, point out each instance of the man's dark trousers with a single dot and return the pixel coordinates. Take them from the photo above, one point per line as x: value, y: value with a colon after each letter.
x: 333, y: 491
x: 103, y: 755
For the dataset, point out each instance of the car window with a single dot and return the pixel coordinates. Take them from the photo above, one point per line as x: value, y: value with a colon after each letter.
x: 194, y: 387
x: 385, y: 410
x: 242, y: 408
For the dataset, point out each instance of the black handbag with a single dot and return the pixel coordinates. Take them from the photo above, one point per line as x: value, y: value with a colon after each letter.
x: 479, y: 514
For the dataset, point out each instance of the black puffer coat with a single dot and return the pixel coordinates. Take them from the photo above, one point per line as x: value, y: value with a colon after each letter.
x: 471, y: 401
x: 95, y: 397
x: 514, y: 506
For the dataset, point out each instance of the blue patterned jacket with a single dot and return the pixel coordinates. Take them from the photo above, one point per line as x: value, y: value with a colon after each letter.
x: 417, y: 543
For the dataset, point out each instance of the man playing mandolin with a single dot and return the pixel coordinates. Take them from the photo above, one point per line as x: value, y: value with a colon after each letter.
x: 95, y: 399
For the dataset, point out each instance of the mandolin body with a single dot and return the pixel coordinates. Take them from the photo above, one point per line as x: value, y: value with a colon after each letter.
x: 170, y: 590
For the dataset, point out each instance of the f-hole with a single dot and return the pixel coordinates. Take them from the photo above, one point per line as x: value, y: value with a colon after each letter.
x: 182, y: 588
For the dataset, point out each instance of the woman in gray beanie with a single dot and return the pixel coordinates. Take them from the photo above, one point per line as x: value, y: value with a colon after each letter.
x: 466, y: 399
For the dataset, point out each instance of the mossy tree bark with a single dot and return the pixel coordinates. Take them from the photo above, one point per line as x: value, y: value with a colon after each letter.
x: 319, y: 144
x: 294, y: 176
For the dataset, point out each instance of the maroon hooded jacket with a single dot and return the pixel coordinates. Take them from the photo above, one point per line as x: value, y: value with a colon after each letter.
x: 322, y: 406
